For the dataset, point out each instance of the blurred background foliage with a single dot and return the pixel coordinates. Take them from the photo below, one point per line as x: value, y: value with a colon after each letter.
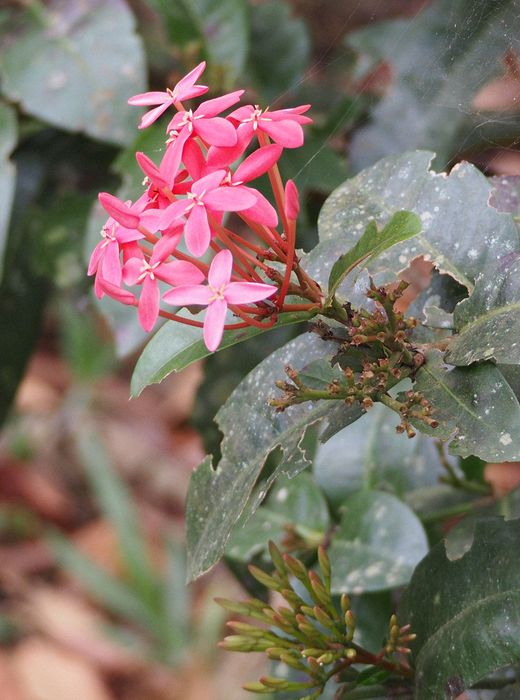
x: 91, y: 486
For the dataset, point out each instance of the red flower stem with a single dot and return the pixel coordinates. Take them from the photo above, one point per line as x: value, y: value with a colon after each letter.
x: 268, y: 235
x: 251, y: 321
x: 256, y: 249
x: 175, y: 253
x: 241, y: 274
x: 291, y: 240
x: 221, y: 233
x: 276, y: 182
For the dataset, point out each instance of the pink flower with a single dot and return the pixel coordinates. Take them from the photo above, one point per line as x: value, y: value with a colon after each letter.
x: 104, y: 261
x: 203, y: 123
x: 130, y: 216
x: 252, y: 167
x: 217, y: 294
x: 283, y: 125
x: 184, y: 90
x: 205, y: 194
x: 292, y: 201
x: 138, y: 270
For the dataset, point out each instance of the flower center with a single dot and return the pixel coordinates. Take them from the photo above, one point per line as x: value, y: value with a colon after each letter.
x: 218, y: 292
x: 109, y: 234
x: 147, y: 270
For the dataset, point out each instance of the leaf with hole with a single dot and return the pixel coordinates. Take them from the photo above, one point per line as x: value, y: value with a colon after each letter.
x: 252, y: 431
x: 488, y: 321
x: 402, y: 226
x: 477, y: 411
x: 457, y: 203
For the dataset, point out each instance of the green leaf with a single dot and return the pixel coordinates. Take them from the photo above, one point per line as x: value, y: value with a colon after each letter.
x: 439, y: 61
x: 477, y: 410
x: 8, y: 134
x: 252, y: 430
x: 488, y: 322
x: 219, y: 29
x: 75, y: 65
x: 280, y: 49
x: 466, y: 612
x: 402, y: 226
x: 298, y: 503
x: 176, y: 346
x: 376, y: 545
x: 460, y: 231
x: 371, y: 454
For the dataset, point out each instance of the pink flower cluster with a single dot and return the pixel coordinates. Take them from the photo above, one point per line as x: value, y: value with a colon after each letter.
x: 204, y: 173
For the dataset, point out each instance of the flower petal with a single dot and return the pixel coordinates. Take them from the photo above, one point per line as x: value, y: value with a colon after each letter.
x: 287, y: 133
x: 248, y: 292
x: 179, y: 273
x: 230, y: 198
x: 197, y: 232
x: 144, y: 99
x: 132, y: 270
x: 173, y: 157
x: 214, y: 323
x: 186, y: 88
x: 210, y: 108
x: 220, y: 269
x: 95, y: 257
x: 150, y: 169
x: 148, y: 309
x: 216, y: 131
x: 172, y: 212
x: 150, y: 117
x: 208, y: 182
x: 188, y: 295
x: 257, y: 163
x: 121, y: 295
x: 111, y: 264
x: 262, y: 210
x: 118, y: 210
x: 222, y: 157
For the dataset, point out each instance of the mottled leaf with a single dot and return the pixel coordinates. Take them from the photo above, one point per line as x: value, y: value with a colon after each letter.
x: 280, y: 49
x: 476, y: 408
x: 176, y: 346
x: 8, y: 134
x: 376, y: 545
x: 371, y: 454
x: 439, y: 62
x: 75, y: 64
x: 252, y: 430
x: 296, y: 503
x: 506, y: 193
x: 488, y: 322
x: 460, y: 231
x: 466, y: 612
x: 402, y: 226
